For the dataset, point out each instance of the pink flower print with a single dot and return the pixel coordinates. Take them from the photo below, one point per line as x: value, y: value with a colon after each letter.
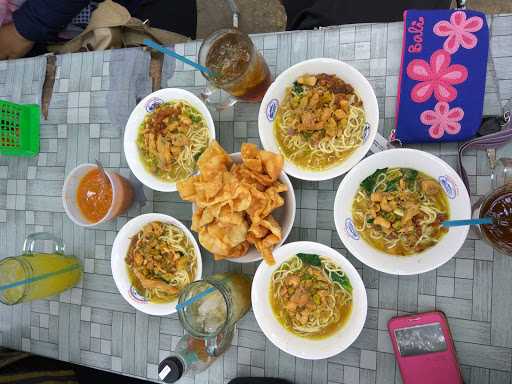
x: 442, y: 119
x: 459, y: 31
x: 436, y: 77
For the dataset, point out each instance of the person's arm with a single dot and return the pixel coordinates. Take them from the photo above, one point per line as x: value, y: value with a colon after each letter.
x: 12, y: 44
x: 36, y: 21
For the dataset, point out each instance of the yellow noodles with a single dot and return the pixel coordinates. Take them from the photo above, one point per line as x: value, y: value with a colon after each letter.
x: 171, y: 139
x: 161, y: 261
x: 399, y: 211
x: 320, y: 122
x: 312, y: 301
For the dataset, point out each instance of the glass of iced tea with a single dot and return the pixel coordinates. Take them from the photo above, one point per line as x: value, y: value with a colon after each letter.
x: 236, y: 67
x: 498, y: 205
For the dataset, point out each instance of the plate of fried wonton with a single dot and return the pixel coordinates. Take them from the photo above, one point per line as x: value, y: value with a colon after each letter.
x: 243, y: 203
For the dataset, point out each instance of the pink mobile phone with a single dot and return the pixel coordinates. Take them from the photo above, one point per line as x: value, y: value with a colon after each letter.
x: 424, y: 349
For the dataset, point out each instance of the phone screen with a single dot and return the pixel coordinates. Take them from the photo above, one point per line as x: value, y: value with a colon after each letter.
x: 420, y: 339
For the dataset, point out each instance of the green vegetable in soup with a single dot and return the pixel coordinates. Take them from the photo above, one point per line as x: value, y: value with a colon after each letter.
x: 369, y: 183
x: 392, y: 185
x: 316, y: 261
x: 341, y: 280
x: 410, y: 174
x: 297, y: 88
x: 310, y: 259
x: 389, y: 216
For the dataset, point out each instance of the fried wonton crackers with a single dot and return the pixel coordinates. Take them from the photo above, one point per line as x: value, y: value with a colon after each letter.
x: 234, y: 202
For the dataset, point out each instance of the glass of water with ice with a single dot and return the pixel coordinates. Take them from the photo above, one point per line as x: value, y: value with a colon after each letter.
x: 214, y: 316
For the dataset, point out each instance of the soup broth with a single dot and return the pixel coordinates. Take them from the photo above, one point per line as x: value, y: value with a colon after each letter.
x: 171, y: 139
x: 320, y: 122
x: 161, y: 261
x: 400, y: 210
x: 311, y: 296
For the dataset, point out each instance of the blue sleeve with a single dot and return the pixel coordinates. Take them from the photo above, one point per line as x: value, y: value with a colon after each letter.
x: 42, y: 20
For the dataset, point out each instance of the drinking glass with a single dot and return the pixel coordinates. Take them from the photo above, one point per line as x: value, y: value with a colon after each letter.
x: 498, y: 236
x: 212, y: 318
x: 237, y: 68
x: 34, y: 275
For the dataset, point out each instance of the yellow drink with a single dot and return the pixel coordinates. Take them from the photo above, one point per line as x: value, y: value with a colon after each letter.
x: 37, y: 276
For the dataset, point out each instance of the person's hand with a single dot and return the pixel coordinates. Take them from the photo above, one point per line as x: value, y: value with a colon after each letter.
x: 12, y: 44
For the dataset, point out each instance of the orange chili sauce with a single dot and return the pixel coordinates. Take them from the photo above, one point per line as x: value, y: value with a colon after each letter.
x: 94, y: 196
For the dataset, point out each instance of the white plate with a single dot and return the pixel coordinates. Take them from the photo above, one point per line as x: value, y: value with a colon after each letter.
x: 120, y: 271
x: 312, y: 349
x: 284, y: 215
x: 147, y: 105
x: 450, y: 243
x: 275, y: 95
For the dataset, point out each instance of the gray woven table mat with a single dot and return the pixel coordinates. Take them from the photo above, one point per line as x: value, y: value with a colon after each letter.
x: 91, y: 324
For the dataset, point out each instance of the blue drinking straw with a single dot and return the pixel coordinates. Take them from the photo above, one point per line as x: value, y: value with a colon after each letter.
x: 170, y: 52
x: 39, y: 277
x: 458, y: 223
x: 195, y: 298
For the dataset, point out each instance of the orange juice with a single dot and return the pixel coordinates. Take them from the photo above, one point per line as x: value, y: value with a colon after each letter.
x: 37, y: 276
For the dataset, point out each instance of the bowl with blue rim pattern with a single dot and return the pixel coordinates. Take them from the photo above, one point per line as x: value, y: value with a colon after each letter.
x: 458, y: 202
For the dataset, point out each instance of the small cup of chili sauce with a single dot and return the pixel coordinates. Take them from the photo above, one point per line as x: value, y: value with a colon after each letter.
x: 90, y: 199
x: 498, y: 205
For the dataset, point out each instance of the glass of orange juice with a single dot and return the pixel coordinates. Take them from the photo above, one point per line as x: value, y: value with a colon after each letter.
x: 35, y: 275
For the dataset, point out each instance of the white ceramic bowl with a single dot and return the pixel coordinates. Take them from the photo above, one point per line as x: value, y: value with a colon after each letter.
x: 285, y: 216
x: 145, y: 106
x: 275, y: 95
x: 120, y: 271
x: 433, y: 257
x: 312, y: 349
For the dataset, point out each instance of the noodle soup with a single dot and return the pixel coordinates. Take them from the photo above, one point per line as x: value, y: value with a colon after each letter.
x: 320, y: 122
x: 311, y: 296
x: 161, y: 261
x: 171, y: 139
x: 399, y: 211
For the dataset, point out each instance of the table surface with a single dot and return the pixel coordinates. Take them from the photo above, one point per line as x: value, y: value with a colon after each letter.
x: 91, y: 324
